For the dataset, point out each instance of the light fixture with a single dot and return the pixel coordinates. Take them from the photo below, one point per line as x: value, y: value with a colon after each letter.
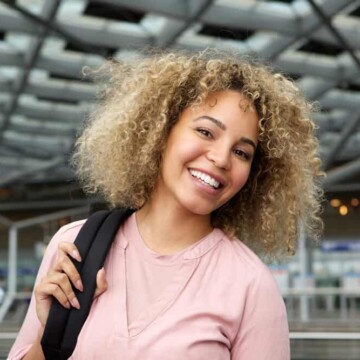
x: 343, y: 210
x: 335, y: 202
x: 354, y: 202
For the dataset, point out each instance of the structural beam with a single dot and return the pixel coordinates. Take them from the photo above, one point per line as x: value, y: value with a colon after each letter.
x: 19, y: 174
x: 49, y: 25
x: 45, y: 204
x: 49, y: 12
x: 349, y: 128
x: 335, y: 32
x: 342, y: 173
x: 174, y: 28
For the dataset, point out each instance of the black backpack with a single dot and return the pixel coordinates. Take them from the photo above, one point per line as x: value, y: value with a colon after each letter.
x: 93, y: 242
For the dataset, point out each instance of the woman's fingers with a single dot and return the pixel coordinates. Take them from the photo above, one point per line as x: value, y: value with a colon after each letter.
x: 54, y: 285
x: 101, y: 283
x: 64, y: 264
x: 42, y: 293
x: 70, y: 249
x: 59, y: 285
x: 58, y: 282
x: 65, y: 270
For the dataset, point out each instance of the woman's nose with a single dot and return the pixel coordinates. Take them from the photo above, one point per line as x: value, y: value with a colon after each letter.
x: 220, y: 157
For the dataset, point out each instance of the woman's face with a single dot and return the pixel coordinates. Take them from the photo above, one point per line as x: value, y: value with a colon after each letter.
x: 209, y: 152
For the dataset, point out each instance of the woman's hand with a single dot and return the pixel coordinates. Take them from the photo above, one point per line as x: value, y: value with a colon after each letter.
x: 57, y: 283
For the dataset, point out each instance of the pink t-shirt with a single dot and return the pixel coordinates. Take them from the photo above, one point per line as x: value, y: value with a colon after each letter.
x: 147, y: 273
x: 214, y: 300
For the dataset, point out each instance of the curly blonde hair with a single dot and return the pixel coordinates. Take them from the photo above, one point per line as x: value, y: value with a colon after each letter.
x: 119, y: 152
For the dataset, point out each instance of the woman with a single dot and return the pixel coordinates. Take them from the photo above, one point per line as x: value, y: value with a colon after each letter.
x: 209, y: 149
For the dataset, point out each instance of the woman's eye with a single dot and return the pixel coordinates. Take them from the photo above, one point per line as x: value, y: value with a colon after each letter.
x: 204, y: 132
x: 242, y: 154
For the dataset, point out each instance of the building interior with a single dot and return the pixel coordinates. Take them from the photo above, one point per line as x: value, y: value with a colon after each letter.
x: 45, y: 97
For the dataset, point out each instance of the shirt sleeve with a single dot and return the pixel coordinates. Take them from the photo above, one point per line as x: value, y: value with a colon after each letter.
x: 263, y: 333
x: 31, y: 325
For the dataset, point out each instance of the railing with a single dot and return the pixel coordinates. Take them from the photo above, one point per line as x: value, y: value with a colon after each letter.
x: 305, y: 294
x: 324, y: 335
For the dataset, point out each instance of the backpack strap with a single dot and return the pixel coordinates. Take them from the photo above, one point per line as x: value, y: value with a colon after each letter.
x: 93, y: 242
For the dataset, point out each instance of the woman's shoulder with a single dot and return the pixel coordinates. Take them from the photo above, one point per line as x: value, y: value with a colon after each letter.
x: 243, y: 260
x: 72, y: 228
x: 67, y: 233
x: 249, y: 276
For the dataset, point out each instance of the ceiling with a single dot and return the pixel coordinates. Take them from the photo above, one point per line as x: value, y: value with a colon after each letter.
x: 44, y: 44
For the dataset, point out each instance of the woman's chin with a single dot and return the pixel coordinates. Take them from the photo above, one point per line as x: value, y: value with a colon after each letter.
x: 199, y: 209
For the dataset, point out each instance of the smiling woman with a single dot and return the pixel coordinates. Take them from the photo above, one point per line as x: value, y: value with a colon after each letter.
x: 144, y: 100
x: 206, y: 145
x: 216, y: 155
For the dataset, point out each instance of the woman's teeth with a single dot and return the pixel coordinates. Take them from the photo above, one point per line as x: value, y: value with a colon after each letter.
x: 205, y: 178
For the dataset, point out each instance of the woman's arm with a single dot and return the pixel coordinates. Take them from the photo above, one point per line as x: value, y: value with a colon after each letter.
x: 35, y: 352
x: 54, y: 279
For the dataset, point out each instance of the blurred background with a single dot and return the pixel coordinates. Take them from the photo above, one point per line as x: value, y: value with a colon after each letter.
x: 44, y: 44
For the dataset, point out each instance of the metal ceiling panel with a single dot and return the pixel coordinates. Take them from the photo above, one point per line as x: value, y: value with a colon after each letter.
x: 44, y: 45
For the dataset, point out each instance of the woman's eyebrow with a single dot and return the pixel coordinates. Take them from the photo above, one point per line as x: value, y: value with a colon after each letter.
x: 248, y: 141
x: 222, y: 126
x: 215, y: 121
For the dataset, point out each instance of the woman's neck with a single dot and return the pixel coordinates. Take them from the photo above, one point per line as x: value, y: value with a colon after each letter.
x: 167, y: 228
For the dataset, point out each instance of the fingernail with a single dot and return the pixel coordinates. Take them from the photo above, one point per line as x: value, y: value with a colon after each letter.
x: 75, y: 254
x: 75, y: 303
x: 79, y: 285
